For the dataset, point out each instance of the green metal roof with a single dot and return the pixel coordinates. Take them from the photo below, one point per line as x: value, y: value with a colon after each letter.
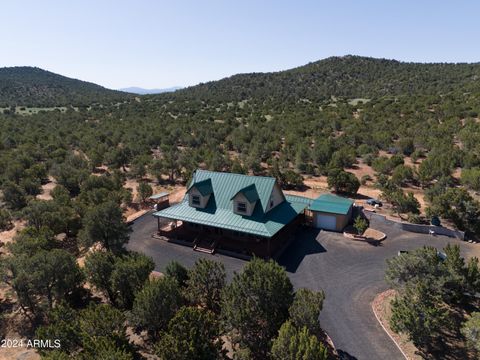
x: 225, y: 185
x: 158, y: 196
x: 250, y: 193
x: 331, y: 204
x: 203, y: 186
x: 219, y: 209
x: 300, y: 199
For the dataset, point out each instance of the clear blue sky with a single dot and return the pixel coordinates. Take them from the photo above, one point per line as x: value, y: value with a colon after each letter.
x: 166, y: 43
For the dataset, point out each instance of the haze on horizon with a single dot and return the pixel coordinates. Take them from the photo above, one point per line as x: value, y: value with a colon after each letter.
x: 162, y: 44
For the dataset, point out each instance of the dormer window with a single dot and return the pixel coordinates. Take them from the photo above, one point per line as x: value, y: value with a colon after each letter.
x: 195, y: 200
x: 199, y: 193
x: 241, y: 207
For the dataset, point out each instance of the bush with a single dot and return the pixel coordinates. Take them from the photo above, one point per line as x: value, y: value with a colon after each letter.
x: 365, y: 179
x: 144, y: 191
x: 471, y: 178
x: 415, y: 219
x: 193, y: 333
x: 305, y: 310
x: 435, y: 220
x: 255, y: 305
x: 360, y: 224
x: 407, y: 146
x: 343, y: 158
x: 402, y: 174
x: 343, y: 182
x: 5, y: 220
x: 292, y: 343
x: 155, y: 305
x: 205, y: 283
x: 178, y: 272
x: 471, y: 331
x: 291, y: 179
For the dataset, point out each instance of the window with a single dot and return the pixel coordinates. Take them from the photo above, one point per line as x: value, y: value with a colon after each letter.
x: 195, y: 200
x: 241, y: 207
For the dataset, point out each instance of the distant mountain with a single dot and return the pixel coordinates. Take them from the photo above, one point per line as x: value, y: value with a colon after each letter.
x: 345, y: 76
x: 31, y: 86
x: 142, y: 91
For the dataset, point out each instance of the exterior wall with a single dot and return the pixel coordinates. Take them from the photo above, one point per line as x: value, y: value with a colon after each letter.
x: 241, y: 198
x: 276, y: 196
x: 285, y: 236
x: 203, y: 199
x: 342, y: 220
x: 244, y: 243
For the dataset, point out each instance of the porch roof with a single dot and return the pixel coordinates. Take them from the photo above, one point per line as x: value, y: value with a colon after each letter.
x: 258, y: 223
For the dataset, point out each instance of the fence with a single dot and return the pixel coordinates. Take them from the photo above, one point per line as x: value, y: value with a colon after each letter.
x: 418, y: 228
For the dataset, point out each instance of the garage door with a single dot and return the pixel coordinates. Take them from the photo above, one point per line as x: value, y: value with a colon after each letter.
x: 326, y: 222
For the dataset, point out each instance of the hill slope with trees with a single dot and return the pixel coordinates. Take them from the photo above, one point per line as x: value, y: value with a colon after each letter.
x: 417, y: 126
x: 31, y: 86
x: 347, y: 76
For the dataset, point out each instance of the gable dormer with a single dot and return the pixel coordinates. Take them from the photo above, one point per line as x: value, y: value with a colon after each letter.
x: 276, y: 197
x: 199, y: 193
x: 244, y: 200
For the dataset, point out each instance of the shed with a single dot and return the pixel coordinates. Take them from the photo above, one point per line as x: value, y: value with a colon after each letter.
x: 160, y: 200
x: 331, y: 212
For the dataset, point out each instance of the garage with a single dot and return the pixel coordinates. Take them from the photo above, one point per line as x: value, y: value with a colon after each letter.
x: 331, y: 212
x: 327, y: 222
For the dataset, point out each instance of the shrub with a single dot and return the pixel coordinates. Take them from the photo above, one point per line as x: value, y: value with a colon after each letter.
x: 342, y: 181
x: 365, y: 179
x: 360, y: 224
x: 5, y: 220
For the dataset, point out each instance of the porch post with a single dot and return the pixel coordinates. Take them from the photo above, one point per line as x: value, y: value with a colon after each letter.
x: 268, y: 247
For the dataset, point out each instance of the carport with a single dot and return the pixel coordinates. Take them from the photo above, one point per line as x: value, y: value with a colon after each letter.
x: 331, y: 212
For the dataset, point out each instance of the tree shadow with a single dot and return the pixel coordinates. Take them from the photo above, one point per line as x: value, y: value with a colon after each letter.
x: 304, y: 244
x: 300, y: 188
x: 359, y: 196
x: 343, y: 355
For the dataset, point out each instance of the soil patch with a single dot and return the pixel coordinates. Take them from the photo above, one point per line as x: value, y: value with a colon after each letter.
x: 381, y: 306
x: 47, y: 189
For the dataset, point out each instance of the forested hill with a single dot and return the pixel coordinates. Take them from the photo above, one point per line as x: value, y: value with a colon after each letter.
x: 347, y: 76
x: 31, y: 86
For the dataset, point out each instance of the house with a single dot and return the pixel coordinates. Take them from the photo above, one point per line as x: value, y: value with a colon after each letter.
x: 331, y: 212
x: 234, y: 212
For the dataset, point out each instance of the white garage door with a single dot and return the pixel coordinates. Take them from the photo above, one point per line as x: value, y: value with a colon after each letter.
x: 326, y: 222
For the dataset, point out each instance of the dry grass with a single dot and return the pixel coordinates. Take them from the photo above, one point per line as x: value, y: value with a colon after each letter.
x: 47, y: 189
x: 7, y: 236
x: 451, y: 347
x: 382, y: 307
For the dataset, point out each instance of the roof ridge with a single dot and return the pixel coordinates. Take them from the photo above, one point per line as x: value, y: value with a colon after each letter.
x: 236, y: 174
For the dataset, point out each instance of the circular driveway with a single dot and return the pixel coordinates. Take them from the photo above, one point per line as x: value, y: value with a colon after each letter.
x: 350, y: 272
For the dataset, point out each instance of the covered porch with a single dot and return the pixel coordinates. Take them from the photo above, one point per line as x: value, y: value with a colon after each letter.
x: 209, y: 239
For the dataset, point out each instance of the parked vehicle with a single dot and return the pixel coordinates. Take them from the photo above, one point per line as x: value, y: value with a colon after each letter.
x: 374, y: 202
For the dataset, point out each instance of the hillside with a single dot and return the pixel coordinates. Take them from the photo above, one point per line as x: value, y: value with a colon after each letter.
x: 348, y: 76
x: 408, y: 134
x: 416, y: 131
x: 31, y: 86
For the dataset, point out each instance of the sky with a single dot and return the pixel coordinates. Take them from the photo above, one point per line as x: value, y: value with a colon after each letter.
x: 159, y: 44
